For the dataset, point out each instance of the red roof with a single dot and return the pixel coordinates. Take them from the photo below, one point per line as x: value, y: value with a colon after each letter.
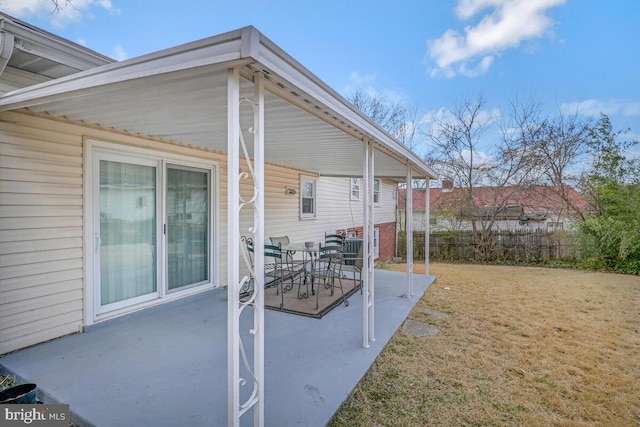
x: 533, y: 198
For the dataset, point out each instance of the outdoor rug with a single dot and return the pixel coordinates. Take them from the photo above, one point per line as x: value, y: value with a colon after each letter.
x: 306, y: 306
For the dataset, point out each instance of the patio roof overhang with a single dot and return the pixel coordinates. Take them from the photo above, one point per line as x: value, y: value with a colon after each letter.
x: 180, y: 95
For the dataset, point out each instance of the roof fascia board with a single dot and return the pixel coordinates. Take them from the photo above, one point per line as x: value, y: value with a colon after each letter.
x: 223, y: 49
x: 250, y: 42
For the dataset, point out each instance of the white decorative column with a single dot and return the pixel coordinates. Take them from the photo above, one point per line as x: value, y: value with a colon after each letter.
x: 251, y: 306
x: 368, y: 303
x: 409, y: 231
x: 427, y: 215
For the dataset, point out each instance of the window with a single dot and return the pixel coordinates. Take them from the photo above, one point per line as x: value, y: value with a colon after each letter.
x: 376, y: 191
x: 355, y: 189
x: 307, y: 197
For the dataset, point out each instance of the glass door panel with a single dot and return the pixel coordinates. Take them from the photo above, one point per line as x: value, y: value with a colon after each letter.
x: 187, y: 226
x: 128, y: 230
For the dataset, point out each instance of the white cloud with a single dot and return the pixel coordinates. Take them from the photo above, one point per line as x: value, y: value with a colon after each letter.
x: 443, y: 115
x: 368, y: 83
x: 509, y: 23
x: 73, y: 11
x: 610, y: 107
x: 119, y: 53
x: 362, y: 80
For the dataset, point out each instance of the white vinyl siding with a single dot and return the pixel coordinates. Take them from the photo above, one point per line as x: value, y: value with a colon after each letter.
x: 43, y: 277
x: 334, y: 210
x: 40, y: 234
x: 41, y: 221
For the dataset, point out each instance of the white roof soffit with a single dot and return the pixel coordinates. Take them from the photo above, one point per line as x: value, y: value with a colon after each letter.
x: 46, y: 46
x: 179, y: 94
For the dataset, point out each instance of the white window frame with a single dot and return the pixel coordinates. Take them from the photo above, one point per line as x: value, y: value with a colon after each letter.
x: 314, y: 182
x: 376, y: 192
x: 354, y: 188
x: 94, y: 149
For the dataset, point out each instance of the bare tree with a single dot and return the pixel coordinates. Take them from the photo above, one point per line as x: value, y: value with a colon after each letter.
x: 410, y: 130
x: 560, y: 153
x: 388, y: 114
x: 486, y: 173
x: 396, y: 117
x: 59, y: 5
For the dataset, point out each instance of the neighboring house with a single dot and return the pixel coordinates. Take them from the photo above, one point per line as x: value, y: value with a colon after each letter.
x: 534, y: 207
x: 128, y: 184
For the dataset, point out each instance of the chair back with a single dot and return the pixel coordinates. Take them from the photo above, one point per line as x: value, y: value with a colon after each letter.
x: 358, y: 261
x: 248, y: 247
x: 270, y: 251
x: 273, y: 251
x: 330, y: 253
x: 333, y: 239
x: 280, y: 240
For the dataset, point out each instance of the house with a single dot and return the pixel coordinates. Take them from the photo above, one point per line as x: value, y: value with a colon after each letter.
x: 533, y: 207
x: 125, y: 185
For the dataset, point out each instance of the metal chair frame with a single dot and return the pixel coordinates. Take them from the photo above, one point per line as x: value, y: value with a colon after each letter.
x: 328, y: 269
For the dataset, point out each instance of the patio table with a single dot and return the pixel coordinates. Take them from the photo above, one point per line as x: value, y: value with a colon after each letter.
x: 309, y: 255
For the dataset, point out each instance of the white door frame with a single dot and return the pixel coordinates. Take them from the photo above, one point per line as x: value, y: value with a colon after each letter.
x: 94, y: 149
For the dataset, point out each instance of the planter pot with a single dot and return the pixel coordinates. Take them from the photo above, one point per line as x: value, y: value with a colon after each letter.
x: 23, y: 393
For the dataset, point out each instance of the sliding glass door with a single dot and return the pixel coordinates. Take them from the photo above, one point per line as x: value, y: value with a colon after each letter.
x: 187, y: 227
x: 128, y: 237
x: 153, y: 228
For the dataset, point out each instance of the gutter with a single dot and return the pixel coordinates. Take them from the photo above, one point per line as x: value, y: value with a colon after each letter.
x: 6, y: 46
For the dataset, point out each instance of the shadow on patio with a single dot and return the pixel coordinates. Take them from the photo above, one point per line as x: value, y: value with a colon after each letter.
x: 167, y: 365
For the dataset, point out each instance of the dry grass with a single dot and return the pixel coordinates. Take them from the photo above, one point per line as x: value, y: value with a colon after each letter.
x: 522, y: 346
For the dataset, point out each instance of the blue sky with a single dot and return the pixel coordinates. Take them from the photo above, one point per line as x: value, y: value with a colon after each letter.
x: 582, y: 55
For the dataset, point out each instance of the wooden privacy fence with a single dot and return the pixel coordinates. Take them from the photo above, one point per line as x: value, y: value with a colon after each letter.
x: 514, y: 246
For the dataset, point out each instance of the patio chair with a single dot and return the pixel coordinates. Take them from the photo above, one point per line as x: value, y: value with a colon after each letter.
x: 329, y: 268
x: 295, y: 266
x: 333, y: 239
x: 283, y: 241
x: 275, y: 270
x: 353, y: 263
x: 247, y: 253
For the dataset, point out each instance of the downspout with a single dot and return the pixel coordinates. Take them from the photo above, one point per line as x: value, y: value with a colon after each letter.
x: 6, y: 47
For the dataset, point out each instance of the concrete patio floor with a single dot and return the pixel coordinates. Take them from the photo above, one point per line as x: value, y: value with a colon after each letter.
x: 167, y: 366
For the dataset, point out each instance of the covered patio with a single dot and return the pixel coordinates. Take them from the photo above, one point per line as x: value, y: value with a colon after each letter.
x: 235, y: 103
x: 127, y: 371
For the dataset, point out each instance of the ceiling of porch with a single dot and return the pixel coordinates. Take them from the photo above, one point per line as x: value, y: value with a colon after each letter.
x: 181, y: 95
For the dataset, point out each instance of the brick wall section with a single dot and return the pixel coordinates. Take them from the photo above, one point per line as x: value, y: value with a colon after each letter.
x: 387, y: 239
